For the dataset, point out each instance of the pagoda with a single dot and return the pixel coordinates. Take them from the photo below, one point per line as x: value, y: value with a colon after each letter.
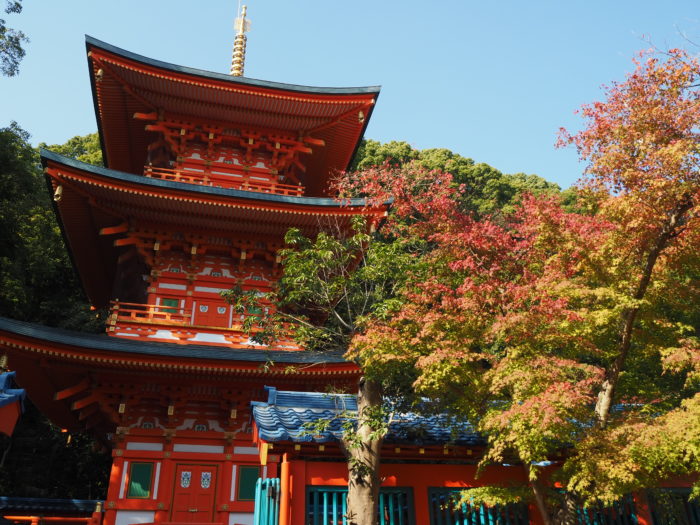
x: 204, y: 174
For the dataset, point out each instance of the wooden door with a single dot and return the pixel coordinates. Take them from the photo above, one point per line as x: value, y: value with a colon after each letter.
x: 211, y: 313
x: 194, y: 494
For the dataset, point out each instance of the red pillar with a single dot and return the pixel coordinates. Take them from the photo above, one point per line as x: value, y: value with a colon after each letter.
x: 284, y: 492
x: 642, y: 509
x: 298, y: 491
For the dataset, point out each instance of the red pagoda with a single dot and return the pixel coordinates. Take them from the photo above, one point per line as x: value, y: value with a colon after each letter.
x: 204, y: 175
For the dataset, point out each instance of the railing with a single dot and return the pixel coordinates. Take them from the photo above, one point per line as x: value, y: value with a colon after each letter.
x: 159, y: 313
x: 155, y: 315
x: 673, y: 507
x: 326, y: 505
x: 267, y: 501
x: 621, y: 512
x: 208, y: 179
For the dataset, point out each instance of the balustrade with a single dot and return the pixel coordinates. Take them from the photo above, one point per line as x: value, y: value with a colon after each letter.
x: 123, y: 314
x: 222, y: 181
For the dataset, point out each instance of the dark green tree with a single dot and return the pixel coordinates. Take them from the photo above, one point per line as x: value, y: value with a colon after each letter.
x: 11, y: 41
x: 85, y: 148
x: 42, y: 461
x: 487, y: 191
x: 38, y: 284
x: 37, y: 280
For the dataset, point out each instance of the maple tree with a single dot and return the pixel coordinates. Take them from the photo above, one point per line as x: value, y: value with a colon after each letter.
x: 569, y: 335
x: 539, y: 326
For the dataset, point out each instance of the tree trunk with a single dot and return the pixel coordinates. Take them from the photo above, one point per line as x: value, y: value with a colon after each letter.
x: 567, y: 513
x: 564, y: 514
x: 541, y: 502
x: 673, y: 227
x: 362, y: 450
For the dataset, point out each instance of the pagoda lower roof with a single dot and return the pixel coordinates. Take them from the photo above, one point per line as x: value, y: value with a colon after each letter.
x: 93, y: 198
x: 40, y: 506
x: 113, y: 352
x: 125, y: 83
x: 50, y: 360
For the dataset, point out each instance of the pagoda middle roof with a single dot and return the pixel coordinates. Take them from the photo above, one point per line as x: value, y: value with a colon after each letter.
x: 125, y: 83
x: 94, y: 198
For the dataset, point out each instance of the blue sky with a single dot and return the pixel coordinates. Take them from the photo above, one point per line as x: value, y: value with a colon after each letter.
x: 493, y: 81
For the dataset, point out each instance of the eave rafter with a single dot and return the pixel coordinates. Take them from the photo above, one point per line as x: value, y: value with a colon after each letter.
x: 254, y: 114
x: 142, y: 95
x: 361, y: 116
x: 338, y: 211
x: 176, y: 364
x: 123, y: 83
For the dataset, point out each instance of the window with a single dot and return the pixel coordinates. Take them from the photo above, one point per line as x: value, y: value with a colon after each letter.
x: 445, y: 509
x: 255, y: 310
x: 140, y: 475
x: 170, y: 303
x: 247, y: 477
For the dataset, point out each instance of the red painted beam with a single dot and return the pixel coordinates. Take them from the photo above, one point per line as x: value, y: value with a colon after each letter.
x: 71, y: 391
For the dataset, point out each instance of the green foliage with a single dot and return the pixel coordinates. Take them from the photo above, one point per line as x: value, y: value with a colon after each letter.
x: 37, y: 281
x: 332, y: 286
x: 11, y: 41
x: 492, y: 496
x: 38, y: 284
x: 85, y: 148
x: 41, y: 461
x: 487, y: 191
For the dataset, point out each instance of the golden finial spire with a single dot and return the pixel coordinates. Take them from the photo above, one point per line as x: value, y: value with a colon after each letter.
x: 241, y: 26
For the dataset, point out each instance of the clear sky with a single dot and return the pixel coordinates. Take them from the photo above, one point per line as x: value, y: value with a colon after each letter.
x: 491, y: 80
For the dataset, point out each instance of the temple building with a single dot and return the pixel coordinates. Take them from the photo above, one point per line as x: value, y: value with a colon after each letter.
x: 203, y: 175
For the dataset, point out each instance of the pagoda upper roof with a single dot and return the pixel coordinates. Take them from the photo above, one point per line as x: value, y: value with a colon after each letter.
x: 125, y: 83
x: 94, y: 198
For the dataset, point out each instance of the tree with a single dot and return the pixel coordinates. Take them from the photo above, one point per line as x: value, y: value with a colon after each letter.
x: 85, y: 148
x: 340, y: 282
x: 487, y: 190
x: 37, y: 280
x: 642, y: 146
x: 38, y: 284
x: 11, y: 40
x: 535, y: 324
x: 549, y: 319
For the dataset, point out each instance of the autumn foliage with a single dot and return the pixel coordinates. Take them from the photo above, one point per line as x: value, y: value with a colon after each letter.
x: 570, y: 335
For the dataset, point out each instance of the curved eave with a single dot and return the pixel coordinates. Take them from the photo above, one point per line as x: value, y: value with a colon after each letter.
x: 113, y: 352
x: 131, y: 83
x: 91, y: 42
x: 94, y: 198
x: 319, y: 204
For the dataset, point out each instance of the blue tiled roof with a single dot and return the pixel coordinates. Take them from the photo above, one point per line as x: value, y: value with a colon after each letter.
x: 7, y: 393
x: 288, y: 416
